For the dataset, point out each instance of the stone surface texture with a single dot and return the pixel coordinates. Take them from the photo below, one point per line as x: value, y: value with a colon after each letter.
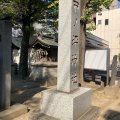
x: 5, y: 63
x: 68, y: 42
x: 67, y: 101
x: 92, y: 114
x: 46, y: 75
x: 13, y: 112
x: 113, y: 71
x: 66, y: 106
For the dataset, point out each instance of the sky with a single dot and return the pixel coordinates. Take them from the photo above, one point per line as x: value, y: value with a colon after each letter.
x: 119, y: 4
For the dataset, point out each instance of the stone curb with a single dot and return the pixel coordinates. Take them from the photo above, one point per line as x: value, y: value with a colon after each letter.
x: 13, y: 112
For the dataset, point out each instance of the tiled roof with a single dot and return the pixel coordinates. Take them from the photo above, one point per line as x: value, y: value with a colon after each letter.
x: 47, y: 40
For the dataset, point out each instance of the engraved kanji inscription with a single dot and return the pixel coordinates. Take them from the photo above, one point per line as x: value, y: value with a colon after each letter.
x: 75, y: 22
x: 74, y: 78
x: 75, y: 39
x: 76, y: 5
x: 74, y: 59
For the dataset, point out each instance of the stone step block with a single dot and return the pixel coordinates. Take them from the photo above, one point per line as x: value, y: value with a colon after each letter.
x: 92, y: 114
x: 13, y: 112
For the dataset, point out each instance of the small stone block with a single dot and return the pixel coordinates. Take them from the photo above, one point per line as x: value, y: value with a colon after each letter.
x: 92, y: 114
x: 66, y: 106
x: 13, y: 112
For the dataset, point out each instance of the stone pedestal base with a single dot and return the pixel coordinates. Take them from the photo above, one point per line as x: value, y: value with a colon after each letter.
x: 66, y: 106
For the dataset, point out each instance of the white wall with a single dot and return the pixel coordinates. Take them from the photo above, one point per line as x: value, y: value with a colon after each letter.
x: 110, y: 32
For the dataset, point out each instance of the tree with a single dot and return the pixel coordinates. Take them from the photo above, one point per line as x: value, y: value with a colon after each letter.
x: 88, y: 8
x: 25, y: 12
x: 5, y: 9
x: 119, y: 57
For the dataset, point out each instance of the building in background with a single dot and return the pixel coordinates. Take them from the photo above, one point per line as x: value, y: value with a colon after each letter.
x: 108, y: 28
x: 41, y: 49
x: 44, y: 48
x: 114, y: 5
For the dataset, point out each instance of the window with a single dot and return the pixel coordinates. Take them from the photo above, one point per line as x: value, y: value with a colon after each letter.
x: 106, y: 21
x: 99, y: 22
x: 94, y: 20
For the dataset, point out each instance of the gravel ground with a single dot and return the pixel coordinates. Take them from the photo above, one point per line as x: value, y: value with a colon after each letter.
x: 110, y: 106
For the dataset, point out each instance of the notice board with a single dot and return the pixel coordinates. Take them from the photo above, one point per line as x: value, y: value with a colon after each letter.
x: 97, y: 59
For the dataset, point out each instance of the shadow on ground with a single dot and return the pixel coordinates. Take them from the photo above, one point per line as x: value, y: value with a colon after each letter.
x: 27, y: 97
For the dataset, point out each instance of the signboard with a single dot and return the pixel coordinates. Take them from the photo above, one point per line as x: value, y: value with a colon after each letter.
x: 97, y: 59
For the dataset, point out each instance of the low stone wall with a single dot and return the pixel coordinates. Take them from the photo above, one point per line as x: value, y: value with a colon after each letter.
x: 45, y: 73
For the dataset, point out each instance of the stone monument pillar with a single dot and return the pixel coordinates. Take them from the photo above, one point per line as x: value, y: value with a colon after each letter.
x: 68, y: 101
x: 113, y: 71
x: 5, y: 63
x: 68, y: 45
x: 113, y: 88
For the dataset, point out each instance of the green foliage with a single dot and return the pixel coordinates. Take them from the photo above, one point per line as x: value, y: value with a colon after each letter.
x: 91, y: 7
x: 6, y: 9
x: 18, y: 9
x: 94, y: 6
x: 25, y: 12
x: 92, y: 26
x: 43, y: 9
x: 54, y: 4
x: 119, y: 57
